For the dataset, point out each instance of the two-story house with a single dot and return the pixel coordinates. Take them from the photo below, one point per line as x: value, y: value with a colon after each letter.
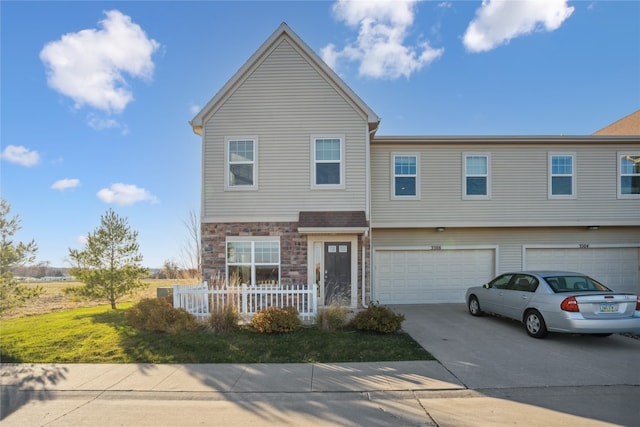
x: 298, y: 188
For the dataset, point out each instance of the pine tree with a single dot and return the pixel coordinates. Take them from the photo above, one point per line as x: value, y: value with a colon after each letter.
x: 13, y: 255
x: 109, y: 264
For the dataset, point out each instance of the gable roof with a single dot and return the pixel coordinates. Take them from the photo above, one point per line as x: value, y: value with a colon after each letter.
x: 628, y: 125
x: 283, y: 32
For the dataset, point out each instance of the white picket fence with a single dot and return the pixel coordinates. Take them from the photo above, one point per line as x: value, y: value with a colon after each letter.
x: 201, y: 299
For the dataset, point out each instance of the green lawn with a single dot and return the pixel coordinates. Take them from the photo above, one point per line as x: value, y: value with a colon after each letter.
x: 102, y: 335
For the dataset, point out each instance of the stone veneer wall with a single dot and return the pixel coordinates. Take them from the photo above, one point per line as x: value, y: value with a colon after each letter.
x: 293, y: 248
x: 293, y: 251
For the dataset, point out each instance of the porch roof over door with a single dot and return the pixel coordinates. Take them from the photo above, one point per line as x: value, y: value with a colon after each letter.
x: 333, y: 222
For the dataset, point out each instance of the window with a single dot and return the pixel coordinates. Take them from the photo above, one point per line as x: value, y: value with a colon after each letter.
x: 328, y: 165
x: 476, y: 182
x: 629, y: 175
x: 405, y: 178
x: 252, y: 262
x: 521, y: 282
x: 241, y: 164
x: 501, y: 282
x: 562, y: 182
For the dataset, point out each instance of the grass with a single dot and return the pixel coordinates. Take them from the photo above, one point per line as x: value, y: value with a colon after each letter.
x: 101, y: 335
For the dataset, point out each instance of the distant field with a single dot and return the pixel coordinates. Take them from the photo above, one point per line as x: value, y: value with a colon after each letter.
x: 54, y: 299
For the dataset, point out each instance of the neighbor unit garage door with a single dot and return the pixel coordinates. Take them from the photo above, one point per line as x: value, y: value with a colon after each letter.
x: 617, y: 268
x: 429, y: 276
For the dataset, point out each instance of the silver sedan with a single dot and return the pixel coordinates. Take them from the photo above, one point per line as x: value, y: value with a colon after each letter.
x: 557, y: 301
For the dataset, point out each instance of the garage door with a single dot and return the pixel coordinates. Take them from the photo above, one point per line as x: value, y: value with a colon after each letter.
x: 617, y: 268
x: 430, y: 276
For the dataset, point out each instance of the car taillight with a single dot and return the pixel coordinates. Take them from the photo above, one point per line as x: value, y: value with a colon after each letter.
x: 638, y: 303
x: 570, y: 304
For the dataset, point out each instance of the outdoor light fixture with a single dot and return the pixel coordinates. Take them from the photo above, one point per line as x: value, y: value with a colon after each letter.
x: 439, y: 229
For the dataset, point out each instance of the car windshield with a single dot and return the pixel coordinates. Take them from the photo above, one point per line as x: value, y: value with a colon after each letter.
x: 574, y: 283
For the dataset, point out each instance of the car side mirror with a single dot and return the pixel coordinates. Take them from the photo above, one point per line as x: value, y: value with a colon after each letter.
x: 487, y: 286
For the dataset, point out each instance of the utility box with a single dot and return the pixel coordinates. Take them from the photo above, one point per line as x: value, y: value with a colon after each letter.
x: 164, y: 292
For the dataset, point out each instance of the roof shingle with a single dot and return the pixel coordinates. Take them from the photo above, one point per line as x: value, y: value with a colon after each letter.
x: 333, y: 219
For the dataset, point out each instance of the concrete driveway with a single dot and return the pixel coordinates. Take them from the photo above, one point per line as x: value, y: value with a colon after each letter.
x: 489, y: 352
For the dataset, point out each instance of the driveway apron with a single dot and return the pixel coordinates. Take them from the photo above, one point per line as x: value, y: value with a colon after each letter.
x: 491, y: 352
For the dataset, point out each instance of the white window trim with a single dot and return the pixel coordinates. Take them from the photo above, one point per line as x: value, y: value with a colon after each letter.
x: 227, y: 185
x: 321, y: 240
x: 252, y: 240
x: 465, y: 196
x: 395, y: 196
x: 550, y: 175
x: 619, y: 156
x: 342, y: 184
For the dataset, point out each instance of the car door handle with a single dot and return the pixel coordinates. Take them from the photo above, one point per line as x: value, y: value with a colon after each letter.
x: 524, y: 297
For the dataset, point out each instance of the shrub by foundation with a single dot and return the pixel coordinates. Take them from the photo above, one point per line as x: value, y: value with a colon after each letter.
x: 332, y: 318
x: 377, y: 319
x: 224, y: 320
x: 155, y: 314
x: 276, y: 320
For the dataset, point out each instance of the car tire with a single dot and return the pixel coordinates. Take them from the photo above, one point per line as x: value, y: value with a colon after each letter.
x: 474, y: 306
x: 534, y: 323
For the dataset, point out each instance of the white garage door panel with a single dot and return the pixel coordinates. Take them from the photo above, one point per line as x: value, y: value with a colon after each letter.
x: 422, y: 276
x: 617, y: 268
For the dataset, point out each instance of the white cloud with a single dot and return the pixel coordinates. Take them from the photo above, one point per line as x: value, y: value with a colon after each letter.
x: 499, y: 21
x: 194, y: 108
x: 20, y: 155
x: 380, y: 47
x: 101, y: 123
x: 125, y: 194
x: 82, y: 240
x: 89, y: 66
x: 65, y: 184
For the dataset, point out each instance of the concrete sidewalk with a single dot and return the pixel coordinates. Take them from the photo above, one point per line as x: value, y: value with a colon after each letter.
x: 231, y: 378
x: 421, y: 393
x: 219, y: 394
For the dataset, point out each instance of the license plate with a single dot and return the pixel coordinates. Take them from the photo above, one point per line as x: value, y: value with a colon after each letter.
x: 608, y: 308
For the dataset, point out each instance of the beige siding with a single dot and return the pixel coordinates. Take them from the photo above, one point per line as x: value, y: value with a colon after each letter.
x: 510, y: 241
x: 519, y: 189
x: 283, y: 102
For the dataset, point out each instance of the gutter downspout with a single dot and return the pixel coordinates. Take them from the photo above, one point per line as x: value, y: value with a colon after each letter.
x: 364, y: 272
x: 367, y: 233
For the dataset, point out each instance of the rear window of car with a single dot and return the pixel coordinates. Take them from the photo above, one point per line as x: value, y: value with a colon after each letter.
x: 574, y: 284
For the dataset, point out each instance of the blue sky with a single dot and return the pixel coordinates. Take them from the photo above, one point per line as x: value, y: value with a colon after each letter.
x: 96, y: 96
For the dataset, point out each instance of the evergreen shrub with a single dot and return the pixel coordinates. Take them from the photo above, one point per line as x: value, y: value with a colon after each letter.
x: 157, y: 315
x: 379, y: 319
x: 276, y: 320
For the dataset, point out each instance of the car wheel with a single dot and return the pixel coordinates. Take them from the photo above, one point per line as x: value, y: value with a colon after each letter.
x: 535, y: 325
x: 474, y: 306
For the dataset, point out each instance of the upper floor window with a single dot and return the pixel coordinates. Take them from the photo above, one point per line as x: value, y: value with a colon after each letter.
x: 253, y: 262
x: 406, y: 183
x: 629, y: 175
x: 477, y: 176
x: 562, y: 181
x: 241, y: 163
x: 328, y: 162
